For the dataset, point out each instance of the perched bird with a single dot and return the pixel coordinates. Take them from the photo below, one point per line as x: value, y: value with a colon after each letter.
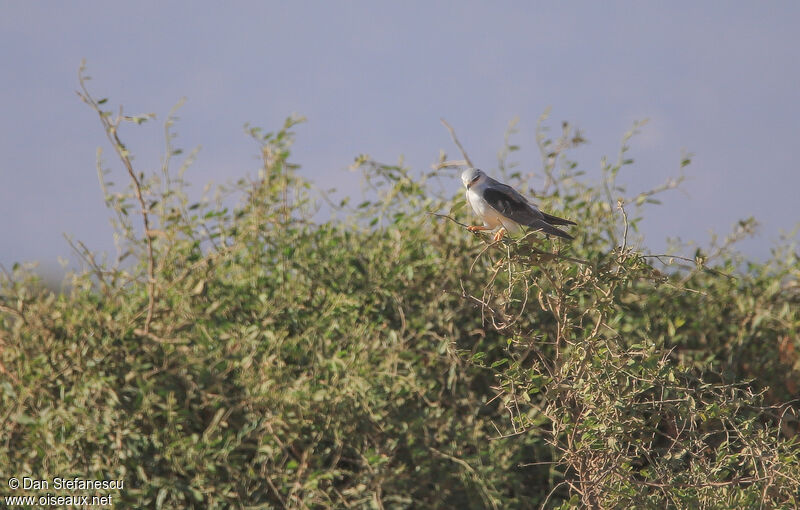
x: 499, y: 205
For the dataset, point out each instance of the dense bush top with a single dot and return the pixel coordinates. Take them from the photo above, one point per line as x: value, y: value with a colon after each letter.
x: 245, y: 356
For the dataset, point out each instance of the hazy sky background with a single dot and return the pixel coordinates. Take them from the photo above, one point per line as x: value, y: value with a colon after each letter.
x: 718, y: 79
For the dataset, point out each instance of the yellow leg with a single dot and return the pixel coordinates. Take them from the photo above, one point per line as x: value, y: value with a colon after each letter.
x: 476, y: 228
x: 500, y: 233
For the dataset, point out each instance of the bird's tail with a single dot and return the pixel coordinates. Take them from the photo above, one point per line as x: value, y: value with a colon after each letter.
x: 541, y: 226
x: 555, y: 220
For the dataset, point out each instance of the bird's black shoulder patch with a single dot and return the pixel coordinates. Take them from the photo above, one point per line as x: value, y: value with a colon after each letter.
x: 504, y: 203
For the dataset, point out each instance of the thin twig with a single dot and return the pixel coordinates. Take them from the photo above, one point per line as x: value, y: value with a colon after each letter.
x: 621, y: 207
x: 703, y: 266
x: 12, y: 311
x: 451, y: 163
x: 158, y: 339
x: 111, y: 127
x: 449, y: 218
x: 88, y: 257
x: 458, y: 144
x: 475, y: 475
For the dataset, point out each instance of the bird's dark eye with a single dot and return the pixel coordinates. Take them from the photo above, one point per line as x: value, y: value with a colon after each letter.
x: 475, y: 179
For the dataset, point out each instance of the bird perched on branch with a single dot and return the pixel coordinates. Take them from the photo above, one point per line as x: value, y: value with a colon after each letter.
x: 500, y: 205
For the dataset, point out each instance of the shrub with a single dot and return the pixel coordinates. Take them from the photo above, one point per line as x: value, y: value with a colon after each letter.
x: 239, y: 354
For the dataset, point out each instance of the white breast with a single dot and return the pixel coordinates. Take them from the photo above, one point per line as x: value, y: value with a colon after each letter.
x: 490, y: 217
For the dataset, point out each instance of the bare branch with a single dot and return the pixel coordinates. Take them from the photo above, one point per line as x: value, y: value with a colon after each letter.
x: 458, y: 144
x: 111, y: 129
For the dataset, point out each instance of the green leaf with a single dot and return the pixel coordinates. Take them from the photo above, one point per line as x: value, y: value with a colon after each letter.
x: 499, y: 362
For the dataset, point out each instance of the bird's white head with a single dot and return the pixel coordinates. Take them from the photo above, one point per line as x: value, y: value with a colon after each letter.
x: 470, y: 176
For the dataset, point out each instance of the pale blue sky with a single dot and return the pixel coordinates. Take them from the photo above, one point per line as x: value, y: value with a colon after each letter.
x: 719, y: 79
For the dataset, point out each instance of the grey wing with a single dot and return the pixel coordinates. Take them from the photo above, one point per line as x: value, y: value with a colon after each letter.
x: 508, y: 202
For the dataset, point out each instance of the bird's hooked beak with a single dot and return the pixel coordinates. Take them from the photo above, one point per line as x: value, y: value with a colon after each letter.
x: 473, y: 181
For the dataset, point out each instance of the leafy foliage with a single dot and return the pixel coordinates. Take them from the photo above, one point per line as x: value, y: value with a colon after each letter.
x: 238, y: 354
